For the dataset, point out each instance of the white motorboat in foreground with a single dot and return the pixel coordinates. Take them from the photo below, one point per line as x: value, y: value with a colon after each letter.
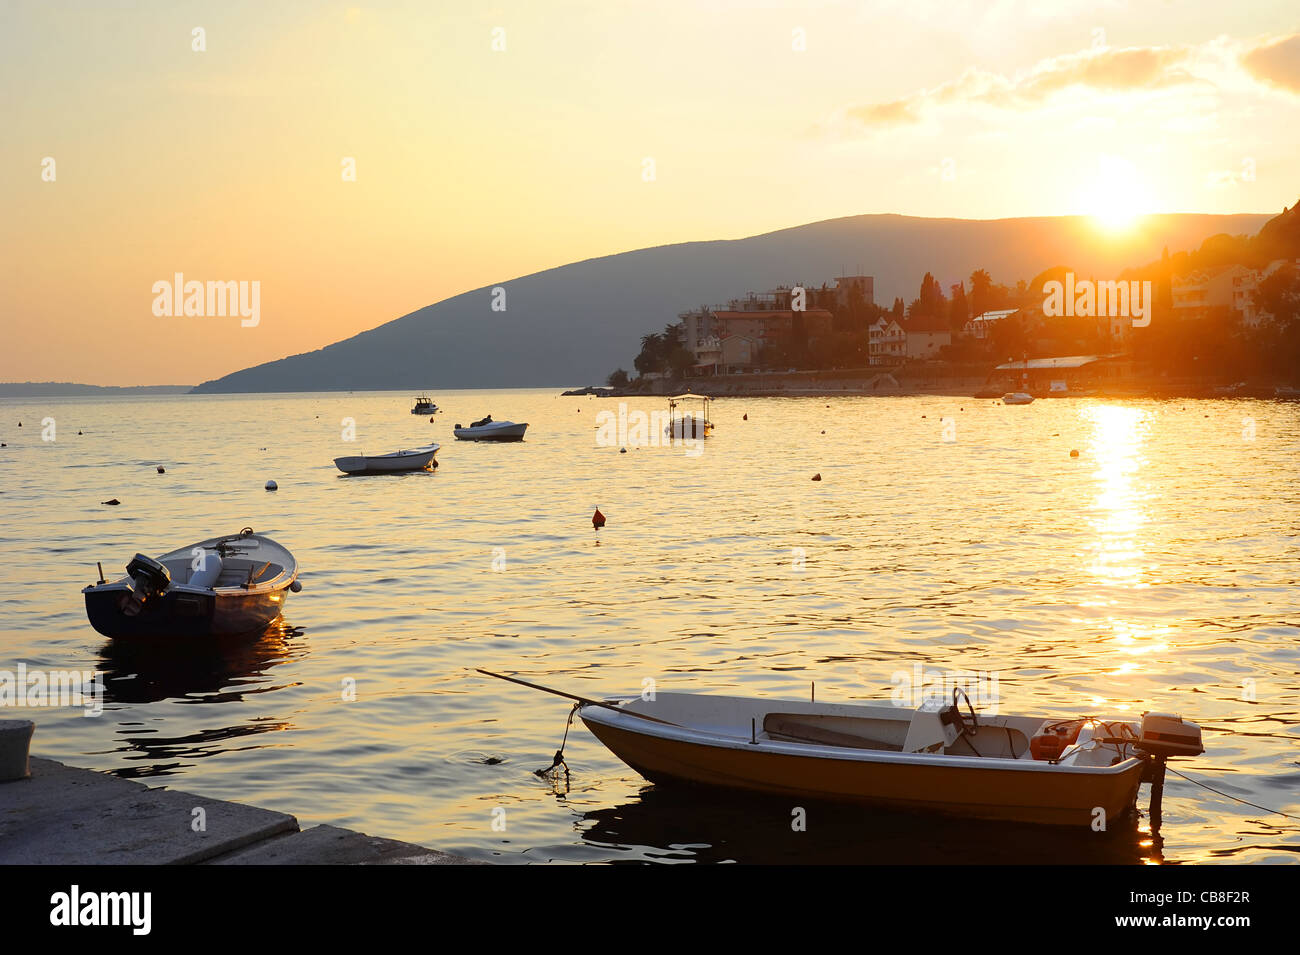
x: 485, y: 429
x: 937, y: 758
x: 226, y: 585
x: 416, y: 459
x: 1017, y: 398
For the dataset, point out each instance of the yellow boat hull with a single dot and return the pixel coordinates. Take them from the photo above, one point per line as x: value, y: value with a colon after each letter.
x: 998, y: 792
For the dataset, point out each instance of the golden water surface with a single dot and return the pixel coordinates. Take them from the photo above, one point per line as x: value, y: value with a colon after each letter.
x: 1155, y: 570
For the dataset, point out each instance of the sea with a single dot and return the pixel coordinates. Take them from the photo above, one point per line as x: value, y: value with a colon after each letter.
x: 1075, y: 556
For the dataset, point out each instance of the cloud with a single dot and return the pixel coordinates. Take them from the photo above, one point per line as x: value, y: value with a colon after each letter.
x: 885, y: 114
x: 1107, y: 70
x: 1276, y: 62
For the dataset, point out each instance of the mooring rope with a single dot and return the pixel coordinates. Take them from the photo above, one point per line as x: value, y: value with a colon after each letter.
x: 558, y: 759
x: 1246, y: 802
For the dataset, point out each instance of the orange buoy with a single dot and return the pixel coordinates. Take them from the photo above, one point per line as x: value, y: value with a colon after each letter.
x: 598, y: 519
x: 1074, y: 454
x: 817, y: 476
x: 744, y: 417
x: 430, y: 419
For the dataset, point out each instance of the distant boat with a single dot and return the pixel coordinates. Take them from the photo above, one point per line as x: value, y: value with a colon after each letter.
x: 416, y: 459
x: 424, y: 405
x: 1017, y: 398
x: 217, y: 587
x: 485, y: 429
x: 688, y: 424
x: 1286, y: 391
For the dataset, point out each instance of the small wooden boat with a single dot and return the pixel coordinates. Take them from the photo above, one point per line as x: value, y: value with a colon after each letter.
x: 424, y: 405
x: 217, y: 587
x: 937, y: 758
x: 395, y: 462
x: 485, y: 429
x: 1017, y: 398
x: 685, y: 424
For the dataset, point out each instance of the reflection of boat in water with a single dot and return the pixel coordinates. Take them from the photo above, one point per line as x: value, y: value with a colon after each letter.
x: 225, y: 585
x: 699, y: 824
x: 215, y: 670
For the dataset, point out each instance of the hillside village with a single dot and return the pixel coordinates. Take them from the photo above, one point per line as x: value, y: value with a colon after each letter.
x: 1223, y: 317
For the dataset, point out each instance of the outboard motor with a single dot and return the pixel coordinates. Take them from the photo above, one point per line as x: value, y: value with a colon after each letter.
x: 149, y: 581
x: 1164, y: 735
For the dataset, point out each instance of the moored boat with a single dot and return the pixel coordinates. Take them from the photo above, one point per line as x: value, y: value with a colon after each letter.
x: 687, y: 424
x: 217, y: 587
x: 1017, y: 398
x: 424, y: 405
x: 485, y: 429
x: 395, y: 462
x: 938, y: 758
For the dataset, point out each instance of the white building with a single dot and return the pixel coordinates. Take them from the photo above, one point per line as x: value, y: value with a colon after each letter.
x: 886, y: 342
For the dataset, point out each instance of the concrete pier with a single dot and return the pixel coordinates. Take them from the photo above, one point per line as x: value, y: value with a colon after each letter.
x: 61, y: 815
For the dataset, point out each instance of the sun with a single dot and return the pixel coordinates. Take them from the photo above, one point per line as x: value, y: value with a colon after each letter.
x: 1117, y: 197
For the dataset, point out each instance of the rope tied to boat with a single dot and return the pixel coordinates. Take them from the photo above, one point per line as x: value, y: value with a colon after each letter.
x: 1220, y: 792
x: 558, y: 759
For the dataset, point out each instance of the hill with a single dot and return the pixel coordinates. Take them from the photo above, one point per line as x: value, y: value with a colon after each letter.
x: 573, y: 324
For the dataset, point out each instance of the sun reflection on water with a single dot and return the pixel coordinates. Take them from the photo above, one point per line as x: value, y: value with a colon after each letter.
x: 1119, y: 508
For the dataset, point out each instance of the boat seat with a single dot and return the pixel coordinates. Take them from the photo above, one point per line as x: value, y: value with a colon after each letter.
x: 208, y: 575
x: 928, y: 733
x: 790, y: 727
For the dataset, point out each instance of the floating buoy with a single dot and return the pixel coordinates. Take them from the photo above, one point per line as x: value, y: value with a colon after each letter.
x: 1074, y: 454
x: 823, y: 432
x: 817, y: 476
x: 922, y: 417
x: 80, y: 432
x: 111, y: 501
x: 20, y: 424
x: 271, y: 485
x: 598, y: 519
x: 622, y: 450
x: 161, y: 469
x: 430, y: 419
x: 744, y: 417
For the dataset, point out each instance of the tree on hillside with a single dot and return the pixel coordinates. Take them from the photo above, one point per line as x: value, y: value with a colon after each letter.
x: 930, y: 301
x: 618, y: 378
x: 958, y: 310
x: 981, y: 292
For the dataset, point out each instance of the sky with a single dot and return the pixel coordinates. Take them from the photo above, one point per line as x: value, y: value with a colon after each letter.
x: 492, y: 140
